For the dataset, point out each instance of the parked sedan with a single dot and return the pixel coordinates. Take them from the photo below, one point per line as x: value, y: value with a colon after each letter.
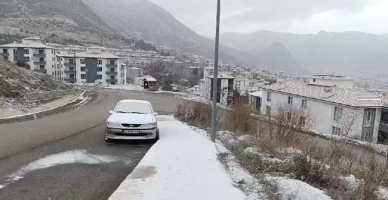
x: 132, y: 120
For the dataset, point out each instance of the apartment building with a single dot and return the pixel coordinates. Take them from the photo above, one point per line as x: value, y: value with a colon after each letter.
x: 336, y: 106
x: 224, y: 91
x: 31, y: 51
x: 96, y: 65
x: 134, y: 72
x: 241, y: 84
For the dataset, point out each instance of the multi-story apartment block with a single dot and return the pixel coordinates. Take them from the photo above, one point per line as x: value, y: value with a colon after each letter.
x: 241, y: 84
x: 224, y: 91
x: 336, y: 106
x: 96, y: 65
x: 32, y: 51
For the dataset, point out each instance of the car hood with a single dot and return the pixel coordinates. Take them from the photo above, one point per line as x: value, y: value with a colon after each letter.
x: 126, y: 118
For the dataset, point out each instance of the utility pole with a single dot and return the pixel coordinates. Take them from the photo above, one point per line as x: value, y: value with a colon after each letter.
x: 215, y: 79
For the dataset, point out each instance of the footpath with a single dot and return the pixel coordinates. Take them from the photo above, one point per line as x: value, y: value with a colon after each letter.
x: 182, y: 165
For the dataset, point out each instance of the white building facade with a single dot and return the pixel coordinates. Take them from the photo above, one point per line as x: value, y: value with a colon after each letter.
x: 338, y: 110
x: 32, y: 51
x: 225, y: 89
x: 95, y: 65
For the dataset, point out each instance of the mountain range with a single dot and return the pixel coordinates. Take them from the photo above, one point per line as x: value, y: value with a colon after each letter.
x: 96, y: 21
x: 348, y: 53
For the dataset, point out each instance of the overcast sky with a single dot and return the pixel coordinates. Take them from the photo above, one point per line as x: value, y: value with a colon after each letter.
x: 296, y: 16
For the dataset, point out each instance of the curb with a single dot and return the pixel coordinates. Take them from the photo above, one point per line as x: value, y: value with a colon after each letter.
x: 33, y: 116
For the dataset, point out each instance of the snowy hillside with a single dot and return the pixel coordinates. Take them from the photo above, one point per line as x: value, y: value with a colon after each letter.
x: 23, y: 88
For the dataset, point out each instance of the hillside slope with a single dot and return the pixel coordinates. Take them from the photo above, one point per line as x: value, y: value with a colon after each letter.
x: 23, y: 87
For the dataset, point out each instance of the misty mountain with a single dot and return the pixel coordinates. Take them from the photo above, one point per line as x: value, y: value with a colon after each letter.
x: 143, y: 19
x: 349, y: 53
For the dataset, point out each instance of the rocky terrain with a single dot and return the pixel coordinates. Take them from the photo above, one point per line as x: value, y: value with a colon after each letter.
x: 23, y: 89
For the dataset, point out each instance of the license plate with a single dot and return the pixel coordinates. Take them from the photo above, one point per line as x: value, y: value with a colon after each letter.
x: 131, y: 131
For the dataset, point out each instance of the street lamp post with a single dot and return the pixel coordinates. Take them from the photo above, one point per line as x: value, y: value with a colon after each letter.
x: 215, y: 79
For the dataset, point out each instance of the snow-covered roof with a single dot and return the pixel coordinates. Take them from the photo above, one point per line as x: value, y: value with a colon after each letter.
x: 33, y: 45
x: 105, y: 55
x: 345, y: 96
x: 222, y: 76
x: 150, y: 79
x: 257, y: 94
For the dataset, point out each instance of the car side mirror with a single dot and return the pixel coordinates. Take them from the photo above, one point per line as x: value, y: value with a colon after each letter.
x: 156, y: 114
x: 111, y: 112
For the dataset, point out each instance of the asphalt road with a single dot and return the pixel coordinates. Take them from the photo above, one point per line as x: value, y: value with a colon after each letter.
x: 65, y: 156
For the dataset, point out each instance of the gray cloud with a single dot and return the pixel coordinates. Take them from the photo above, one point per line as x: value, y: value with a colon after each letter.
x: 280, y: 15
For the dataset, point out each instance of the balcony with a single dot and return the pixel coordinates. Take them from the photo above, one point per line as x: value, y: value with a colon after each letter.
x: 111, y: 65
x: 39, y: 54
x: 40, y: 62
x: 4, y: 54
x: 111, y: 80
x: 383, y: 127
x: 69, y: 71
x: 111, y: 73
x: 42, y: 71
x: 67, y: 79
x: 70, y: 64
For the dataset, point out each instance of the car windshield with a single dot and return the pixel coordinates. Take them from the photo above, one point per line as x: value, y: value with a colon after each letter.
x: 133, y: 107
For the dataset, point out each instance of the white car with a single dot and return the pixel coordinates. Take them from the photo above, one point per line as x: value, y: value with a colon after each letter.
x: 132, y: 120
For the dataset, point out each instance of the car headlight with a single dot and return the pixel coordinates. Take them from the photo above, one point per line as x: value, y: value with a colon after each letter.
x: 151, y: 125
x: 113, y: 124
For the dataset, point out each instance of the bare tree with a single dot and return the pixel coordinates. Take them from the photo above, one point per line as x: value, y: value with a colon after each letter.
x: 290, y: 122
x: 158, y: 71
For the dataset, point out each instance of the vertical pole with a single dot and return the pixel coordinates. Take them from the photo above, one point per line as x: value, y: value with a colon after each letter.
x: 215, y: 80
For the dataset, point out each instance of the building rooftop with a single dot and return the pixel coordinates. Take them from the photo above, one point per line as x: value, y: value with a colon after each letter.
x: 222, y: 76
x: 257, y: 93
x: 34, y: 45
x: 105, y: 55
x: 345, y: 96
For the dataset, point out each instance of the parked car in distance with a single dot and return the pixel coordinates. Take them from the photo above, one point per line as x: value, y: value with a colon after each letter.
x: 132, y: 120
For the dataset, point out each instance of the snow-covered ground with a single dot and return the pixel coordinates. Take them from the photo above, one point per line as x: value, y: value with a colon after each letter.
x: 185, y: 164
x: 15, y: 112
x: 181, y: 165
x: 131, y: 87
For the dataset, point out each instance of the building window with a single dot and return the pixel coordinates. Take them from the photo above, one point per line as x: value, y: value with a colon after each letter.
x: 99, y: 69
x: 290, y: 100
x: 314, y: 80
x: 369, y: 117
x: 71, y: 61
x: 41, y: 67
x: 83, y: 76
x: 27, y: 58
x: 269, y: 94
x: 82, y: 61
x: 289, y: 116
x: 100, y: 62
x: 338, y: 113
x: 112, y: 69
x: 336, y: 131
x: 26, y: 51
x: 304, y: 103
x: 99, y: 76
x: 302, y: 121
x: 52, y: 66
x: 41, y: 51
x: 83, y: 69
x: 112, y: 62
x: 268, y: 110
x: 52, y: 59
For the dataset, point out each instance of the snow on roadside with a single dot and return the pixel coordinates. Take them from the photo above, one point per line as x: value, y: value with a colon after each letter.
x: 288, y: 188
x: 181, y: 165
x: 74, y: 156
x: 383, y: 193
x: 296, y: 189
x: 130, y: 87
